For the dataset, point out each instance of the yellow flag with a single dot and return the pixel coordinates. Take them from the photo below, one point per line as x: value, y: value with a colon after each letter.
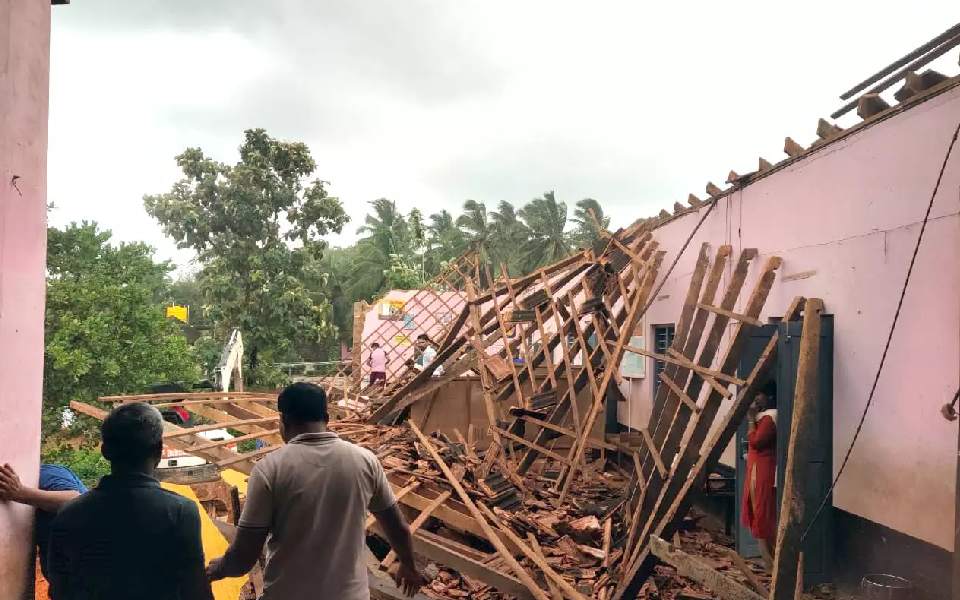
x: 180, y: 313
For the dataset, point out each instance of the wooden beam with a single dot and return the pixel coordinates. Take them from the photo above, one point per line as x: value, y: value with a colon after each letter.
x: 180, y: 395
x: 676, y: 389
x: 225, y: 425
x: 227, y: 442
x: 183, y: 442
x: 541, y: 563
x: 794, y: 514
x: 870, y: 105
x: 490, y: 534
x: 699, y: 571
x: 399, y: 495
x: 246, y: 456
x: 741, y: 564
x: 639, y: 565
x: 567, y: 432
x: 733, y: 315
x: 536, y: 447
x: 792, y: 148
x: 678, y: 359
x: 416, y: 525
x: 461, y: 558
x: 652, y: 449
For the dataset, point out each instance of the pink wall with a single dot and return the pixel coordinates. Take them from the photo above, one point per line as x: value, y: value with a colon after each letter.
x: 428, y: 313
x: 851, y: 213
x: 24, y: 73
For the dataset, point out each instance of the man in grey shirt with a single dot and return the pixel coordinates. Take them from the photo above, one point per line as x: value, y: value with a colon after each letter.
x: 308, y: 501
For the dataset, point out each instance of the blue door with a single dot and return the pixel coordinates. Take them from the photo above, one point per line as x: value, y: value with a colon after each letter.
x: 759, y: 338
x: 817, y: 547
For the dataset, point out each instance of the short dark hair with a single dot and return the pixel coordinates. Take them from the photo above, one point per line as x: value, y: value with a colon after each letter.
x: 132, y: 433
x: 375, y: 345
x: 423, y: 337
x: 303, y: 402
x: 770, y: 391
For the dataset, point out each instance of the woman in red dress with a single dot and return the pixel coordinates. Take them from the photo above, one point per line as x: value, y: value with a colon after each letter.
x: 760, y: 496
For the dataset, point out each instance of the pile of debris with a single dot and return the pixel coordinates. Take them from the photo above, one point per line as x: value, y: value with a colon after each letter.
x: 573, y: 540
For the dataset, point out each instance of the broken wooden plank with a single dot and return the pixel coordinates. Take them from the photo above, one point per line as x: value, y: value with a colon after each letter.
x: 541, y: 563
x: 733, y: 315
x: 566, y: 431
x: 536, y: 447
x: 652, y: 449
x: 416, y: 525
x: 490, y: 534
x: 697, y: 570
x: 399, y: 495
x: 461, y: 558
x: 676, y: 389
x: 794, y: 514
x: 214, y: 426
x: 741, y: 564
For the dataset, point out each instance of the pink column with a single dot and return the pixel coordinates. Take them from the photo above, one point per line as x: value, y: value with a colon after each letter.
x: 24, y: 86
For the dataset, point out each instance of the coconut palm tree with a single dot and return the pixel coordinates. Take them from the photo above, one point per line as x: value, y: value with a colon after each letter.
x: 509, y: 234
x: 547, y: 220
x: 387, y: 234
x: 444, y: 241
x: 477, y: 232
x: 587, y: 231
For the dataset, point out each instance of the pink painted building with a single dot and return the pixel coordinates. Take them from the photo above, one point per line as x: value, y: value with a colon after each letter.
x: 24, y: 85
x: 845, y: 217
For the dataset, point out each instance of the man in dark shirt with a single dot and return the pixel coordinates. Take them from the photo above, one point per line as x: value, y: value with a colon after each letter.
x: 128, y: 537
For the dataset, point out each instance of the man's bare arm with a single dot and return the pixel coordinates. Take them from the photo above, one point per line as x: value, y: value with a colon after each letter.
x: 13, y: 490
x: 241, y: 556
x: 398, y: 534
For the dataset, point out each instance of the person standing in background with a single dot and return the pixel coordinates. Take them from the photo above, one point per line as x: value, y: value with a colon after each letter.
x: 57, y: 486
x: 378, y: 364
x: 760, y: 494
x: 424, y: 353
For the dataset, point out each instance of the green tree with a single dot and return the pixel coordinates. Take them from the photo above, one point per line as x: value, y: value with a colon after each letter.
x: 546, y: 220
x: 401, y: 275
x: 478, y: 233
x: 509, y: 234
x: 444, y: 241
x: 105, y: 329
x: 257, y: 228
x: 587, y: 232
x: 387, y: 233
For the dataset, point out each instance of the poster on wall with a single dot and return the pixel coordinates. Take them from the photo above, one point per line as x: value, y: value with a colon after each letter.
x: 634, y: 365
x: 390, y: 310
x: 401, y: 339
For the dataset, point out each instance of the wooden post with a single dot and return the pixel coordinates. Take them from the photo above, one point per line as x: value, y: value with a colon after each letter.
x: 793, y: 509
x: 359, y: 314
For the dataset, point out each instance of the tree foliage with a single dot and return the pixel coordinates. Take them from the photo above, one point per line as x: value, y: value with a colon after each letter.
x: 546, y: 220
x: 105, y: 329
x: 590, y: 223
x: 257, y: 228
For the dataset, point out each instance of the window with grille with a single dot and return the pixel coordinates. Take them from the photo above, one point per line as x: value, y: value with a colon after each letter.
x: 662, y: 339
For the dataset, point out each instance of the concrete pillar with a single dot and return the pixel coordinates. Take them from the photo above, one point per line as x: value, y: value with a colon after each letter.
x: 24, y: 88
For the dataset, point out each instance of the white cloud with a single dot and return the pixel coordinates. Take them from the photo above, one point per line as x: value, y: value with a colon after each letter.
x: 431, y: 103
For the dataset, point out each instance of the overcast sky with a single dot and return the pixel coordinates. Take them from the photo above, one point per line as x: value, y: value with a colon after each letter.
x: 430, y: 103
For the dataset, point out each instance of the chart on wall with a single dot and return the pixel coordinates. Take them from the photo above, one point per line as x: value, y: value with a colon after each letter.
x: 633, y: 364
